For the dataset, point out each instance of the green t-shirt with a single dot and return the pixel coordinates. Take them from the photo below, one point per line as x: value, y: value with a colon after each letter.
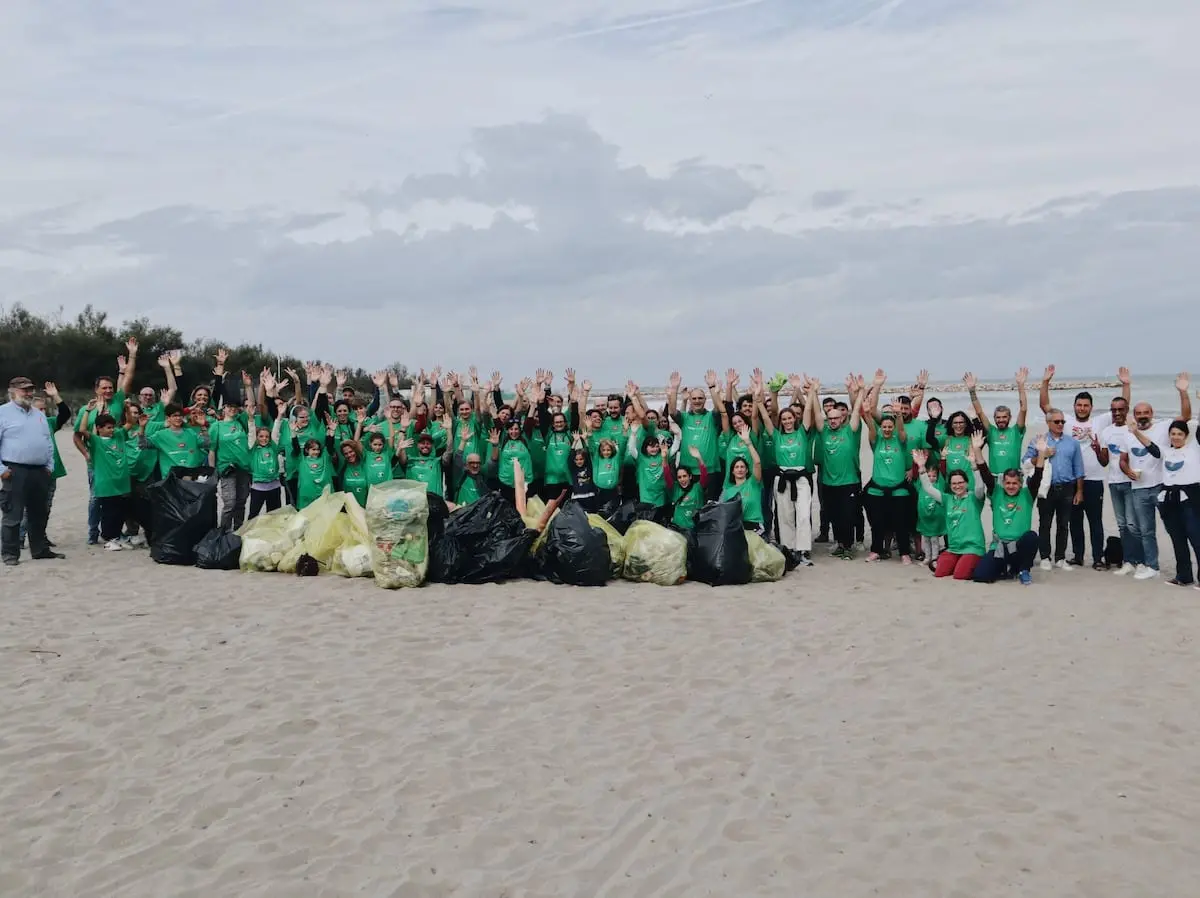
x: 750, y: 491
x: 1004, y: 448
x: 956, y: 452
x: 313, y: 474
x: 652, y: 488
x: 60, y: 470
x: 699, y: 429
x: 264, y: 463
x: 177, y: 448
x: 355, y: 481
x: 964, y: 524
x: 1012, y: 516
x: 558, y: 457
x: 732, y: 448
x: 889, y: 463
x: 231, y: 444
x: 109, y: 464
x: 468, y: 491
x: 343, y: 432
x: 612, y: 429
x: 840, y: 456
x: 116, y: 408
x: 790, y: 450
x: 477, y: 441
x: 379, y: 466
x: 314, y: 431
x: 426, y: 469
x: 140, y: 461
x: 510, y: 450
x: 687, y: 504
x: 606, y: 472
x: 931, y: 515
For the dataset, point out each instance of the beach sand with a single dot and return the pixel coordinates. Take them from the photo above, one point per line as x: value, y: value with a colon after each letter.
x: 855, y: 730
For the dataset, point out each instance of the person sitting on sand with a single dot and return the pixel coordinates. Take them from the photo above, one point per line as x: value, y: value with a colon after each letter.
x: 1014, y: 544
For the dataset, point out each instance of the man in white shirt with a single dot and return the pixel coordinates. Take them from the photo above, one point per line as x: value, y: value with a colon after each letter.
x: 1143, y: 464
x: 1114, y: 440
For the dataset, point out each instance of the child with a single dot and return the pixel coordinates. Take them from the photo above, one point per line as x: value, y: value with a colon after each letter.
x: 263, y: 457
x: 931, y: 514
x: 106, y: 453
x: 314, y: 471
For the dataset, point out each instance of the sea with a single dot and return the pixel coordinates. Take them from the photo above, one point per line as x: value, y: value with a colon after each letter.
x: 1157, y: 389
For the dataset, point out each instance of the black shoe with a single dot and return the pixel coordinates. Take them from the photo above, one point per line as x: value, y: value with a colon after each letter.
x: 822, y: 538
x: 51, y: 543
x: 12, y: 562
x: 1075, y: 562
x: 48, y: 555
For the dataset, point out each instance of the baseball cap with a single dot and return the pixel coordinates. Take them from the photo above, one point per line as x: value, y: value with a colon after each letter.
x: 20, y: 383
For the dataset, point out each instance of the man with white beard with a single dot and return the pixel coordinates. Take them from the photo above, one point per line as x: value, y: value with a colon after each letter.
x: 26, y: 469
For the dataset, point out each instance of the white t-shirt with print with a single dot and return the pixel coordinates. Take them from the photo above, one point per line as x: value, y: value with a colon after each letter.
x: 1140, y: 459
x: 1182, y: 466
x: 1082, y: 432
x: 1116, y: 438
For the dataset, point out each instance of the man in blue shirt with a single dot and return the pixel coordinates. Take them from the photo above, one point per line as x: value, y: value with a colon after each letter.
x: 26, y: 470
x: 1065, y: 492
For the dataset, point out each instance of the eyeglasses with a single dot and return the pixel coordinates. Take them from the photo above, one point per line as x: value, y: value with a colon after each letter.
x: 1056, y: 420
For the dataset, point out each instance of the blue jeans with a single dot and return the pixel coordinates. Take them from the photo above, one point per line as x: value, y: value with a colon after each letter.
x: 1144, y: 504
x: 1131, y: 548
x: 93, y: 508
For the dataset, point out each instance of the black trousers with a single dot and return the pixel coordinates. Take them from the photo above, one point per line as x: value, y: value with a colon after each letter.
x: 992, y: 567
x: 271, y: 499
x: 889, y: 520
x: 24, y: 496
x: 844, y: 507
x: 1056, y: 509
x: 824, y: 503
x: 113, y: 512
x: 1093, y: 509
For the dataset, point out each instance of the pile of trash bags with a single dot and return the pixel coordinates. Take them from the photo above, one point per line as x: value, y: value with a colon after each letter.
x: 183, y: 509
x: 332, y: 531
x: 406, y: 537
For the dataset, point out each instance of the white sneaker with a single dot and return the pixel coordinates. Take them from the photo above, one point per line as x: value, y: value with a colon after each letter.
x: 137, y: 541
x: 113, y: 545
x: 1124, y: 570
x: 1145, y: 573
x: 1063, y: 566
x: 1046, y: 565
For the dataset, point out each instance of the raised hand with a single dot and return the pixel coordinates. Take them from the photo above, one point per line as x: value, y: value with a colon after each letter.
x: 1043, y: 445
x: 282, y: 385
x: 970, y: 381
x: 1048, y: 374
x: 923, y: 379
x: 403, y: 442
x: 880, y: 377
x: 494, y: 437
x: 549, y: 377
x: 1183, y: 382
x: 246, y: 380
x: 744, y: 432
x: 379, y: 378
x: 570, y: 376
x: 694, y: 452
x: 586, y: 386
x: 757, y: 375
x: 51, y: 390
x: 497, y: 379
x: 393, y: 380
x: 710, y: 378
x: 977, y: 442
x: 795, y: 382
x: 164, y: 361
x: 920, y: 457
x: 176, y: 356
x: 674, y: 380
x: 222, y: 356
x: 340, y: 379
x: 325, y: 374
x: 850, y: 381
x: 1123, y: 376
x: 1022, y: 376
x: 122, y: 364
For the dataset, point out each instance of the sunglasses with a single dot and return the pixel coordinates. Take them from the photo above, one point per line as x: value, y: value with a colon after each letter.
x: 1056, y: 420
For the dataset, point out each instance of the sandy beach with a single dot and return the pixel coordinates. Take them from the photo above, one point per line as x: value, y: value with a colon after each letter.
x: 854, y: 730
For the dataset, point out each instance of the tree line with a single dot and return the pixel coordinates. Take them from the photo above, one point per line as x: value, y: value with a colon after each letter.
x: 74, y: 352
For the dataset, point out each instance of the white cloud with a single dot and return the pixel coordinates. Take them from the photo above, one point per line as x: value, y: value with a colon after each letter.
x: 691, y: 162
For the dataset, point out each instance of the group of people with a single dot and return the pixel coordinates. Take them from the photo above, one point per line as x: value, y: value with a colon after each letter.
x: 789, y: 453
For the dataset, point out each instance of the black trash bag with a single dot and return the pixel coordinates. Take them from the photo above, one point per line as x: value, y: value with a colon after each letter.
x: 717, y: 553
x: 629, y: 511
x: 574, y: 553
x: 439, y: 511
x: 182, y: 512
x: 220, y: 550
x: 483, y: 542
x: 791, y: 558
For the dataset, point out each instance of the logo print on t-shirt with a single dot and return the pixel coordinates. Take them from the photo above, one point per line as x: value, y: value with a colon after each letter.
x: 1174, y: 466
x: 1139, y: 451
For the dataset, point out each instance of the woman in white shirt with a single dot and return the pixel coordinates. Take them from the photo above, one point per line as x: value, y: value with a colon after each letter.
x: 1179, y: 499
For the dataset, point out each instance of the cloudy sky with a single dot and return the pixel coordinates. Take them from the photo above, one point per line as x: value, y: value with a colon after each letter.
x: 623, y: 186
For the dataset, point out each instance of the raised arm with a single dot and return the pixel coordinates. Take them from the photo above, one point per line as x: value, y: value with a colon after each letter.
x: 1022, y: 397
x: 1044, y: 392
x: 920, y: 458
x: 1183, y: 384
x: 126, y: 384
x: 673, y: 394
x: 856, y: 410
x: 972, y: 385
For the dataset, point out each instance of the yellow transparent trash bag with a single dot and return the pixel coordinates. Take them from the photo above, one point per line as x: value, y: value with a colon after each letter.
x: 353, y: 557
x: 327, y: 527
x: 266, y: 539
x: 397, y: 517
x: 654, y: 554
x: 616, y: 543
x: 767, y: 563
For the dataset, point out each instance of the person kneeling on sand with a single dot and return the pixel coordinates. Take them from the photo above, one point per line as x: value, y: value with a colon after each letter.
x: 1014, y: 543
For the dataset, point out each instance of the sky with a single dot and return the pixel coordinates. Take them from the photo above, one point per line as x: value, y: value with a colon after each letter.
x: 628, y: 188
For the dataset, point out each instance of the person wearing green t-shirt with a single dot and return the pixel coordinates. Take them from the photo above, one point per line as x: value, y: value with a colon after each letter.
x: 964, y: 510
x: 106, y: 452
x: 179, y: 446
x: 111, y: 400
x: 686, y: 491
x: 230, y: 446
x: 788, y: 446
x: 1014, y: 542
x: 649, y: 465
x: 745, y: 483
x: 315, y: 468
x: 888, y: 492
x: 424, y: 465
x: 558, y: 442
x: 699, y: 427
x: 512, y: 445
x: 266, y: 491
x: 1004, y: 436
x: 955, y: 447
x: 839, y: 433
